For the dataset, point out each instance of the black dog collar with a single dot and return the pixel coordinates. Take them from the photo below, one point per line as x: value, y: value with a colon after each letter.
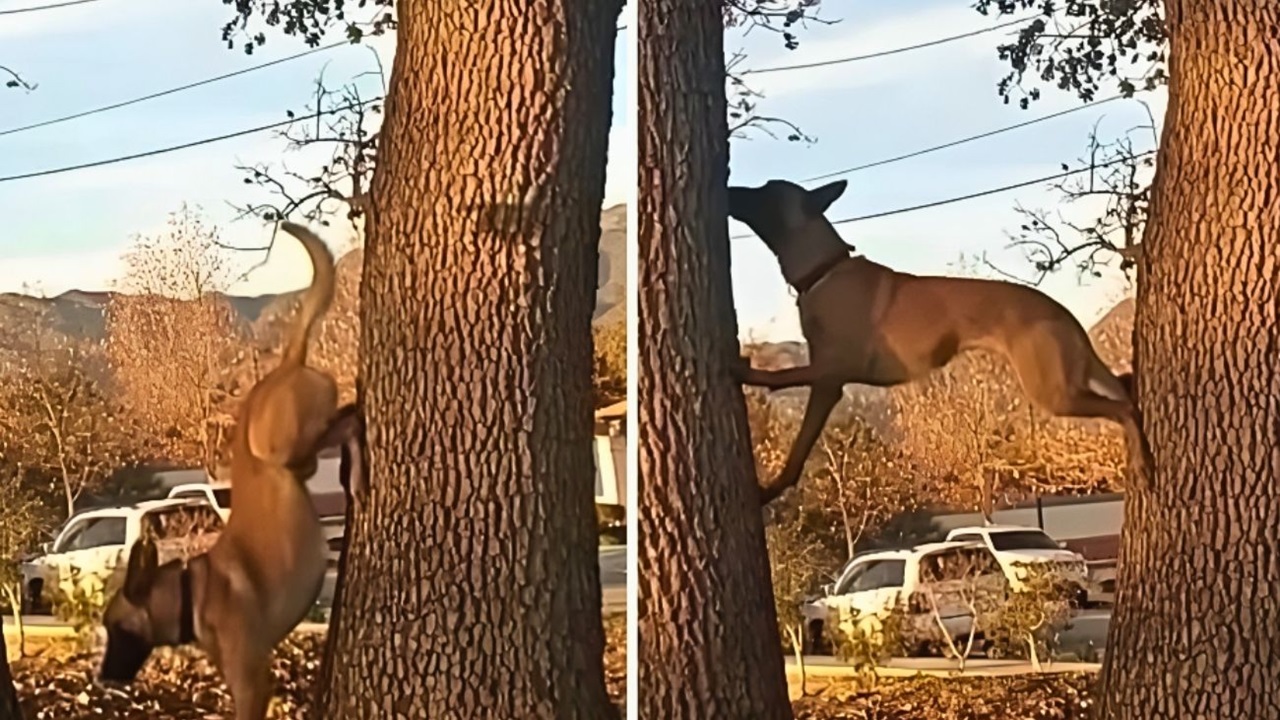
x: 805, y: 283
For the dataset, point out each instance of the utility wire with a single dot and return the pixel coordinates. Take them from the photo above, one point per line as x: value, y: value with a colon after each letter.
x: 50, y: 6
x: 954, y: 143
x: 981, y: 193
x: 174, y: 148
x: 992, y: 191
x: 170, y: 91
x: 884, y: 53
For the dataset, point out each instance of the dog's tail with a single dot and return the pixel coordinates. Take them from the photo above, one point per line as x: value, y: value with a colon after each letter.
x: 317, y: 298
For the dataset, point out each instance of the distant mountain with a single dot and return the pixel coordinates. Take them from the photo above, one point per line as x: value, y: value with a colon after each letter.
x: 611, y: 291
x: 81, y: 314
x: 1112, y: 335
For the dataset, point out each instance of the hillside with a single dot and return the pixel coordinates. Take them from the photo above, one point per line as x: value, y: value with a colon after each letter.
x: 81, y: 314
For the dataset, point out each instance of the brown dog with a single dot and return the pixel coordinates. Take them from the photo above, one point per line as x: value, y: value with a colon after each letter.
x: 263, y: 574
x: 871, y: 325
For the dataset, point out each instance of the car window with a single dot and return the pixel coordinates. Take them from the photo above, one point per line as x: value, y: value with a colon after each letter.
x: 958, y: 564
x: 223, y: 497
x: 182, y: 521
x: 849, y: 578
x: 1022, y: 540
x: 71, y: 537
x: 97, y: 532
x: 968, y: 537
x: 880, y: 574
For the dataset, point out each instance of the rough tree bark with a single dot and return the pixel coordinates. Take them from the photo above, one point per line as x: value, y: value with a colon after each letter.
x: 1196, y: 627
x: 472, y: 588
x: 709, y: 644
x: 9, y: 707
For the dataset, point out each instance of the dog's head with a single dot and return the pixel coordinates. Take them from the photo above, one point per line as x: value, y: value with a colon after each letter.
x: 144, y: 614
x: 782, y: 212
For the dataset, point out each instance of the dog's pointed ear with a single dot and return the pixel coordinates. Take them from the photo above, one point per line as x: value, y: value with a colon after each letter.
x: 140, y: 574
x: 817, y: 200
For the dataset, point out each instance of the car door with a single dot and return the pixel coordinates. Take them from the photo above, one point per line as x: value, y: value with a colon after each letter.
x: 94, y: 547
x: 877, y: 590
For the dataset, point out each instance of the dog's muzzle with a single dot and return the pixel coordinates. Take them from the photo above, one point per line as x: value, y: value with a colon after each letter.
x: 125, y: 655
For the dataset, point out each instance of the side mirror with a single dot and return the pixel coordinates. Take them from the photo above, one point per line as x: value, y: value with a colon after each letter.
x: 828, y: 588
x: 1062, y: 544
x: 46, y: 547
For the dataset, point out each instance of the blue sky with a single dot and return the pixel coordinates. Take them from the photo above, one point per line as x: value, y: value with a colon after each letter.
x: 864, y: 111
x: 68, y: 231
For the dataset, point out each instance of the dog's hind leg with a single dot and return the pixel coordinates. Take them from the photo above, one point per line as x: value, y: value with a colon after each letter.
x: 822, y: 400
x: 248, y: 675
x: 1087, y: 404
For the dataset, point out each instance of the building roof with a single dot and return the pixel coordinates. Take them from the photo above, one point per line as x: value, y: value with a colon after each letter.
x: 614, y: 411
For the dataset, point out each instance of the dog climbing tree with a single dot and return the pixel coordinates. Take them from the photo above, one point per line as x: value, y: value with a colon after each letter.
x: 472, y: 588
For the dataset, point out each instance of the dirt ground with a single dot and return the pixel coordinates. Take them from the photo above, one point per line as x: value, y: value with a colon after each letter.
x: 57, y: 685
x: 1028, y: 697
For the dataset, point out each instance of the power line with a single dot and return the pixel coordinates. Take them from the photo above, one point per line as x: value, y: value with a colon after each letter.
x: 992, y: 191
x: 174, y: 148
x: 50, y: 6
x: 954, y: 143
x: 884, y: 53
x: 170, y: 91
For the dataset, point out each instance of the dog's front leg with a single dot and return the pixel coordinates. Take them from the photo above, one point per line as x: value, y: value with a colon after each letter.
x: 346, y: 429
x: 822, y: 400
x: 774, y: 379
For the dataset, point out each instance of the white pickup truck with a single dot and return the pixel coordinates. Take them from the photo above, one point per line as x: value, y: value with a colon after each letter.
x: 1014, y: 546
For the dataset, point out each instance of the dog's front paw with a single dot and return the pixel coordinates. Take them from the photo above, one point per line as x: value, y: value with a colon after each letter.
x: 740, y: 369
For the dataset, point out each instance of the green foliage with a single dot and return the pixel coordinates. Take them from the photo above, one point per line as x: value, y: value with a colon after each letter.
x: 609, y: 375
x: 1027, y: 623
x: 308, y: 19
x: 866, y: 641
x: 1079, y: 45
x: 80, y: 599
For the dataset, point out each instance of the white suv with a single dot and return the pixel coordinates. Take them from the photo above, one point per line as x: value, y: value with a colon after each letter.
x: 874, y: 584
x: 1014, y: 546
x: 97, y: 543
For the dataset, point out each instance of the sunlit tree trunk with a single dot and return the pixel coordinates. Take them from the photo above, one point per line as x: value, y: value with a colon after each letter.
x: 1196, y: 632
x: 709, y: 643
x: 472, y: 588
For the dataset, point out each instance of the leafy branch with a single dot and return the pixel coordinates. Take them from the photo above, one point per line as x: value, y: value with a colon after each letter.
x: 1078, y: 45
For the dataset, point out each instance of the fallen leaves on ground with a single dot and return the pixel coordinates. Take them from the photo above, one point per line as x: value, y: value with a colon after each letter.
x: 1024, y: 697
x: 183, y: 685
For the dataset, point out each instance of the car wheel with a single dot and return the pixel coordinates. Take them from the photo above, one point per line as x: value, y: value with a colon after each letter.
x: 33, y: 604
x: 814, y: 643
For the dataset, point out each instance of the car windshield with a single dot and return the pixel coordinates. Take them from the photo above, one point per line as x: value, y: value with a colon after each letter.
x: 1022, y: 540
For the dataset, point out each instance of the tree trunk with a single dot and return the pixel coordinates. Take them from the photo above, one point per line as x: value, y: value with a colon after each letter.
x: 9, y: 707
x: 709, y: 641
x: 472, y: 587
x: 1198, y: 609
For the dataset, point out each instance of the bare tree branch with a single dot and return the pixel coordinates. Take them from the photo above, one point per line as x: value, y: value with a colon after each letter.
x: 15, y: 80
x: 1121, y: 177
